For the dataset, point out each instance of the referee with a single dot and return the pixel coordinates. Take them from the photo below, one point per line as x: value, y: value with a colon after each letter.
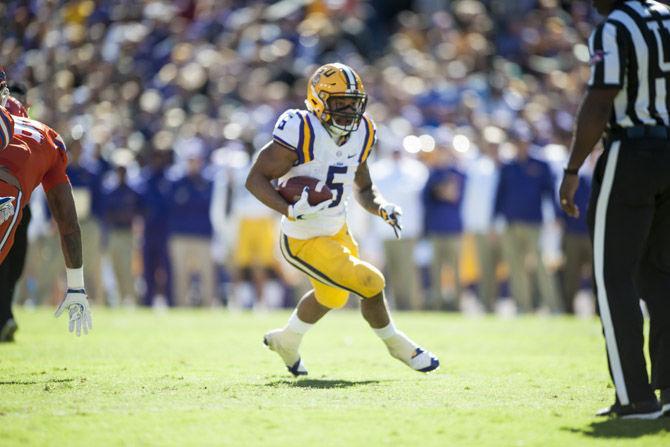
x: 629, y: 211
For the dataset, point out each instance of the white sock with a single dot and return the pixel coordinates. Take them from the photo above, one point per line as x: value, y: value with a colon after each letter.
x: 296, y: 325
x: 386, y: 332
x: 400, y: 346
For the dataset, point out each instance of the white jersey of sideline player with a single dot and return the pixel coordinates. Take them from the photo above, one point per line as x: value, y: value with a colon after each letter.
x: 320, y: 157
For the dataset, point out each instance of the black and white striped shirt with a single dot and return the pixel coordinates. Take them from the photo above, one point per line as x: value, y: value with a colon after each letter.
x: 630, y: 50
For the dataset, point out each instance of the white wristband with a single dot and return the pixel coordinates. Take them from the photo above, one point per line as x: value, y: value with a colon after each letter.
x: 75, y: 278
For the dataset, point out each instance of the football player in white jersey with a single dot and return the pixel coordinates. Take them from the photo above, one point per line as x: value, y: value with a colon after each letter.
x: 330, y: 141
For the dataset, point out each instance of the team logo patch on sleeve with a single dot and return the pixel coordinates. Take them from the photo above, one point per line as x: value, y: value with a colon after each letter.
x: 597, y: 57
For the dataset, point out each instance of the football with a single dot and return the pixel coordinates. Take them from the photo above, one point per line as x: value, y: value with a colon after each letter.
x: 291, y: 190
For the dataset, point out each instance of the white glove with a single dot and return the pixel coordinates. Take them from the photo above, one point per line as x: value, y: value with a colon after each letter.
x: 302, y: 210
x: 391, y: 214
x: 6, y: 208
x: 76, y: 303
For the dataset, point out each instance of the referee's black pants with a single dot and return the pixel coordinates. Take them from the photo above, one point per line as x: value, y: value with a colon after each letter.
x: 11, y: 268
x: 629, y: 217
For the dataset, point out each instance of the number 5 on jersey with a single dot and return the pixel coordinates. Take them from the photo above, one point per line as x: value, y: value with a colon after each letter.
x: 336, y: 186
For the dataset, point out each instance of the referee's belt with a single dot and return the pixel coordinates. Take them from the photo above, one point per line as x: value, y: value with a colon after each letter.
x: 640, y: 132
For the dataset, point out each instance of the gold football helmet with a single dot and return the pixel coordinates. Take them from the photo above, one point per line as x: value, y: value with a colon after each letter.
x: 335, y: 94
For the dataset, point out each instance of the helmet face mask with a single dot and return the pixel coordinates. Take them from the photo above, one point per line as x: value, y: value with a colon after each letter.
x: 346, y: 111
x: 335, y: 94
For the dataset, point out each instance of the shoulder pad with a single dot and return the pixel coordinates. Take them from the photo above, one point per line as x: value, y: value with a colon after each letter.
x: 370, y: 138
x: 294, y: 130
x: 287, y: 129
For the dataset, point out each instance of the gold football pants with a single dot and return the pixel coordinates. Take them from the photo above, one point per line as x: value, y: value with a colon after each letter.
x: 333, y: 267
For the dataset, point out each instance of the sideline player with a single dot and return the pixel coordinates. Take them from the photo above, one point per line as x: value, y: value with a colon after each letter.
x: 32, y: 153
x: 330, y: 141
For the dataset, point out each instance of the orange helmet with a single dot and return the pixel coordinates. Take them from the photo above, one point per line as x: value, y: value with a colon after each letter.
x: 330, y: 82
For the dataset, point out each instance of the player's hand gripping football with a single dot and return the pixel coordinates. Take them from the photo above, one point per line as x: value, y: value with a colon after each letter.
x: 302, y: 210
x: 76, y: 303
x: 391, y: 214
x: 6, y: 209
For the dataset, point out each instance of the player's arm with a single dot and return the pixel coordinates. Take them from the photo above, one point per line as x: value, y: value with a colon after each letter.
x: 372, y: 200
x: 366, y: 192
x: 61, y: 205
x: 273, y: 161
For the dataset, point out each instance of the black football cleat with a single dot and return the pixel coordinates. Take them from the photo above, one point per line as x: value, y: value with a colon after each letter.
x: 665, y: 402
x: 642, y: 410
x: 8, y: 330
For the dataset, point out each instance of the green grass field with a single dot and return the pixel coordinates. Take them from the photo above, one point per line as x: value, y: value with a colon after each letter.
x: 204, y: 378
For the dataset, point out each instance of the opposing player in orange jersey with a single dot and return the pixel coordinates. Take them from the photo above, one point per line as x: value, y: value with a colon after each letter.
x: 12, y: 268
x: 31, y: 154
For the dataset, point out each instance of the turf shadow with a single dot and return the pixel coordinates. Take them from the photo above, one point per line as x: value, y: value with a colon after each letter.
x: 622, y: 428
x: 321, y: 383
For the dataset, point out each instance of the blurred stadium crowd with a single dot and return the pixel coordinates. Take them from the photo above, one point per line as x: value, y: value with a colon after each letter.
x: 163, y: 104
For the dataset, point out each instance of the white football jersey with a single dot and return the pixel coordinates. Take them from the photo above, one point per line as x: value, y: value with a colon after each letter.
x: 320, y: 157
